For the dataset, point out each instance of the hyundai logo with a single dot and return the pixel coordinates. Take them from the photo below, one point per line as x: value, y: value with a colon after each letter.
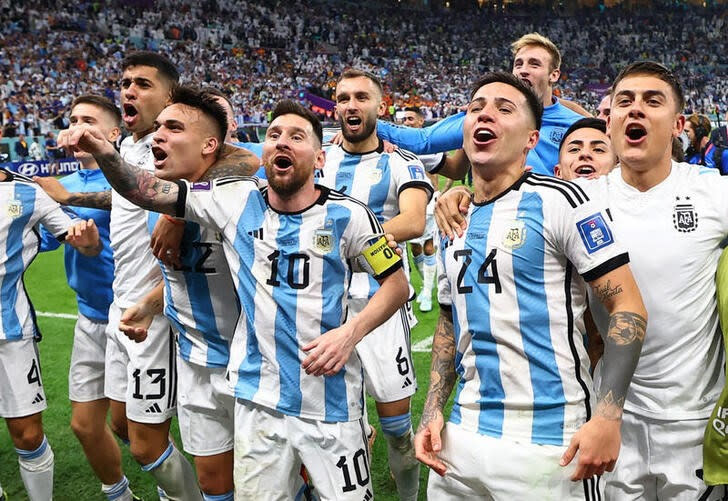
x: 28, y: 169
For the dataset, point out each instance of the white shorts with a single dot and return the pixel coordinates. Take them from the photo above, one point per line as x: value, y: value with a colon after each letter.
x: 143, y: 375
x: 270, y: 448
x: 386, y: 356
x: 206, y: 409
x: 430, y: 231
x: 22, y: 387
x: 483, y: 467
x: 86, y: 375
x: 660, y: 460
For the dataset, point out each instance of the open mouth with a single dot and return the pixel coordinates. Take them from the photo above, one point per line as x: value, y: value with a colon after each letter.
x: 353, y: 122
x: 527, y: 82
x: 585, y: 170
x: 159, y: 155
x: 130, y: 112
x: 635, y: 132
x: 283, y: 163
x: 484, y: 135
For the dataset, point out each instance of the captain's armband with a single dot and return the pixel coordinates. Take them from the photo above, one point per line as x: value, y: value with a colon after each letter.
x: 379, y: 260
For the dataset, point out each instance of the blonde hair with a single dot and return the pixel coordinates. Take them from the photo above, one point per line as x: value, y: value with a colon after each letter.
x: 540, y: 41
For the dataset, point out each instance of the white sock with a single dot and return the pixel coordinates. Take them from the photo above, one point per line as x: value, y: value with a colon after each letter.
x: 175, y: 475
x: 119, y: 491
x: 428, y: 275
x: 36, y: 470
x: 1, y: 491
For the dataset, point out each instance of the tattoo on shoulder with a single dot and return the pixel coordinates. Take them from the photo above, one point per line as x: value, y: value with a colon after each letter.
x: 605, y: 291
x: 626, y: 328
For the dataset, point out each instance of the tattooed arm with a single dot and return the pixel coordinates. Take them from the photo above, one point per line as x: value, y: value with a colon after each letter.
x: 233, y: 161
x: 442, y: 379
x: 58, y: 192
x: 598, y: 440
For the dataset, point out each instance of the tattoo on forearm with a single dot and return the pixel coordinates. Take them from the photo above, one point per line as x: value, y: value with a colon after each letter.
x: 606, y: 291
x: 95, y: 200
x: 442, y: 370
x: 137, y: 185
x: 622, y: 348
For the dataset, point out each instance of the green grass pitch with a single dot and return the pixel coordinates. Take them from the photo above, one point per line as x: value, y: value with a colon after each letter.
x: 74, y: 480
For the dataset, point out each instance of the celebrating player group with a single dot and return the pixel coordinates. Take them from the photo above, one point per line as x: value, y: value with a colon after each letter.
x: 575, y: 278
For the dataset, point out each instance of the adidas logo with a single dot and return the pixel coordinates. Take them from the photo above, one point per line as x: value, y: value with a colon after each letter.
x: 256, y: 233
x: 38, y: 398
x: 368, y: 496
x: 154, y: 409
x: 407, y: 382
x: 318, y: 173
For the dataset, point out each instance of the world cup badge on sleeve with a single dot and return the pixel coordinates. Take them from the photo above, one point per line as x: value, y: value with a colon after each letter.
x: 684, y: 216
x: 15, y: 209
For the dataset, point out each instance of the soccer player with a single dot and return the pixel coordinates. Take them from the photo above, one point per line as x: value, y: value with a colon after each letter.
x: 672, y: 217
x: 423, y: 248
x: 537, y: 62
x: 91, y: 279
x: 395, y: 188
x: 512, y: 330
x: 604, y: 108
x: 585, y: 151
x: 24, y: 207
x: 290, y: 248
x: 141, y: 378
x: 199, y: 298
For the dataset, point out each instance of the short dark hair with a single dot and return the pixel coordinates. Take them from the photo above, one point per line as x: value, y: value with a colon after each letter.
x: 656, y: 70
x: 414, y: 109
x: 584, y: 123
x: 534, y: 104
x: 209, y: 89
x: 207, y: 104
x: 356, y: 73
x: 291, y: 107
x: 101, y: 102
x: 154, y: 59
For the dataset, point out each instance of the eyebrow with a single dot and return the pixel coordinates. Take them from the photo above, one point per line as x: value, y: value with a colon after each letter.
x: 591, y: 141
x: 169, y: 122
x: 497, y: 100
x: 646, y: 93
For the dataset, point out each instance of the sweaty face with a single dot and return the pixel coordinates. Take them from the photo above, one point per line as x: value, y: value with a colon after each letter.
x: 643, y: 121
x: 532, y: 65
x: 184, y: 137
x: 586, y: 153
x: 498, y: 129
x: 87, y: 113
x: 144, y: 94
x: 291, y: 151
x: 358, y: 104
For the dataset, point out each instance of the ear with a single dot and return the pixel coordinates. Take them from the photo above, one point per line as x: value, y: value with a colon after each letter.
x: 114, y: 134
x: 557, y: 171
x: 679, y: 125
x: 554, y: 76
x: 320, y: 159
x: 210, y: 145
x: 532, y: 139
x: 381, y: 109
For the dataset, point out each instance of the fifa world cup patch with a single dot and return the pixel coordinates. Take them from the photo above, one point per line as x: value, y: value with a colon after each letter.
x: 595, y: 233
x: 201, y: 186
x: 379, y: 257
x: 416, y: 172
x: 15, y: 209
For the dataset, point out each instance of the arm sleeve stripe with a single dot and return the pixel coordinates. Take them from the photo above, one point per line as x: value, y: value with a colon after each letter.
x: 606, y: 267
x: 179, y: 208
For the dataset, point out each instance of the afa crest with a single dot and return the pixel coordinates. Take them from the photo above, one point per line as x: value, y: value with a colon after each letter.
x: 15, y: 209
x: 684, y: 215
x: 557, y: 134
x: 323, y: 240
x: 515, y: 235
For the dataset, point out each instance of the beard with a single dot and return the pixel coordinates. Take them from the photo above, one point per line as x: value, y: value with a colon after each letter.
x: 285, y: 185
x: 368, y: 126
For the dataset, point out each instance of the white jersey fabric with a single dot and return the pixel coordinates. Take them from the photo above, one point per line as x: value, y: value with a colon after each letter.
x: 519, y: 329
x: 291, y: 272
x: 673, y: 233
x: 136, y: 270
x: 24, y: 207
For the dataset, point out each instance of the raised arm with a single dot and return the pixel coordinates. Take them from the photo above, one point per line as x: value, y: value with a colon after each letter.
x: 58, y: 192
x: 137, y: 185
x: 445, y: 135
x: 428, y: 442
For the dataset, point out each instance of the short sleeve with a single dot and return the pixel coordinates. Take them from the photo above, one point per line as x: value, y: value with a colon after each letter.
x: 211, y: 203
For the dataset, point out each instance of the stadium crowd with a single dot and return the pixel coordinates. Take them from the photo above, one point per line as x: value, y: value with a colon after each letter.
x: 260, y: 52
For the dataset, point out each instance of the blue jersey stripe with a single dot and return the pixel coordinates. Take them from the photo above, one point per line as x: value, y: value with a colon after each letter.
x: 345, y: 174
x: 455, y: 416
x: 378, y: 195
x: 477, y: 307
x: 250, y: 369
x: 14, y: 265
x: 332, y: 288
x: 285, y: 298
x: 198, y: 291
x: 528, y: 274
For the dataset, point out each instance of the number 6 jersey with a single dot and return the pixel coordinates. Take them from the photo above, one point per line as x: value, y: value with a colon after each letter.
x: 517, y: 309
x: 291, y: 273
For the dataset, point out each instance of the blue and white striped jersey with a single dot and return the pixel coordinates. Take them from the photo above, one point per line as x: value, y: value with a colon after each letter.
x: 199, y: 297
x: 523, y: 367
x: 376, y: 179
x: 291, y: 273
x: 24, y: 206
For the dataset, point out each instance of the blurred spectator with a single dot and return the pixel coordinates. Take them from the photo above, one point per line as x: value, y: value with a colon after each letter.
x: 35, y: 151
x: 51, y: 146
x: 21, y: 148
